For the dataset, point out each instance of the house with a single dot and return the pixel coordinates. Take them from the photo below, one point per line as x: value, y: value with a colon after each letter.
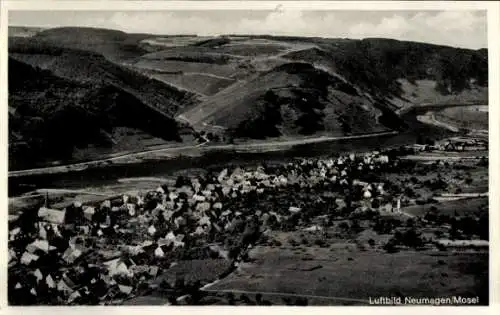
x: 204, y: 220
x: 294, y: 209
x: 64, y: 288
x: 14, y: 232
x: 199, y: 231
x: 39, y: 245
x: 12, y: 255
x: 125, y: 289
x: 119, y: 266
x: 203, y: 206
x: 73, y: 296
x: 71, y: 254
x: 88, y: 213
x: 152, y: 230
x: 131, y: 209
x: 38, y: 275
x: 463, y: 243
x: 222, y: 175
x: 159, y: 253
x: 27, y: 258
x: 217, y: 205
x: 450, y: 146
x: 50, y: 282
x: 51, y: 215
x: 106, y: 205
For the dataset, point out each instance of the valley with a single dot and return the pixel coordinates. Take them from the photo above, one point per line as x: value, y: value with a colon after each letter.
x: 244, y: 170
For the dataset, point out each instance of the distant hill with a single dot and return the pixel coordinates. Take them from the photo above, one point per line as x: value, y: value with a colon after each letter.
x: 23, y: 31
x: 114, y: 45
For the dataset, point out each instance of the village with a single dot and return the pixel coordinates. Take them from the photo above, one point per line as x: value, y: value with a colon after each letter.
x: 116, y: 250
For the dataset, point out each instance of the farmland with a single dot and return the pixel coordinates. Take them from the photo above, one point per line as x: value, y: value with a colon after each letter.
x: 357, y: 275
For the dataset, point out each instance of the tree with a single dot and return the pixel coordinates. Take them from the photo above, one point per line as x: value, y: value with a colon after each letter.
x: 27, y: 221
x: 390, y: 247
x: 410, y: 222
x: 412, y: 238
x: 432, y: 214
x: 344, y: 226
x: 484, y: 232
x: 181, y: 181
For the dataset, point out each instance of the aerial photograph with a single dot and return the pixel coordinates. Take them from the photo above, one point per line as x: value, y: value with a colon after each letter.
x: 248, y: 157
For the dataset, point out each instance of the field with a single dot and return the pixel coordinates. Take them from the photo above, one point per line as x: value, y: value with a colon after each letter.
x: 204, y: 84
x: 190, y: 271
x: 174, y: 41
x: 424, y: 92
x: 182, y: 66
x: 358, y: 275
x: 474, y: 117
x: 253, y: 49
x: 461, y: 207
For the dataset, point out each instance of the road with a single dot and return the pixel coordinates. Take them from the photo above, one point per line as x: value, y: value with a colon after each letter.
x: 438, y: 158
x: 289, y: 294
x: 44, y: 191
x: 85, y: 165
x: 275, y: 144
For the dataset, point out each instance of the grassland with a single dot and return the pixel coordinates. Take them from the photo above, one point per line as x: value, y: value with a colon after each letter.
x: 358, y: 275
x: 465, y: 117
x: 183, y: 66
x: 469, y: 206
x: 203, y: 84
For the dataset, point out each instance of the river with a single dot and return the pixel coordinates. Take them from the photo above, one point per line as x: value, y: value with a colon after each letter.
x: 162, y: 168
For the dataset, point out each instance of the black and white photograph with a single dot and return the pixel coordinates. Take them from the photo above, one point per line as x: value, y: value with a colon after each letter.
x: 280, y: 156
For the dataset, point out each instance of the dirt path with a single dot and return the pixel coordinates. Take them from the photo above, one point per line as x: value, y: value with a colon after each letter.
x: 430, y: 119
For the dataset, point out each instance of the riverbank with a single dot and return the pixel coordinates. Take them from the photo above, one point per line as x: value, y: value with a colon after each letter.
x: 137, y: 157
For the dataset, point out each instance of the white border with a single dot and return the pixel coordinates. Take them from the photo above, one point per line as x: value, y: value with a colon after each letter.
x: 493, y: 9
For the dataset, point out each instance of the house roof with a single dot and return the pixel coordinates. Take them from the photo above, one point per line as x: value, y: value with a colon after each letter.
x: 51, y: 215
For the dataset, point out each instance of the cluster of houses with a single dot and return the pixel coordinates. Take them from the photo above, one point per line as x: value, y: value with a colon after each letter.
x: 102, y: 252
x: 455, y: 144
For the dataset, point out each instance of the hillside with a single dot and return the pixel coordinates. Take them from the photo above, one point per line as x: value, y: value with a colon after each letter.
x: 244, y: 86
x: 86, y: 66
x: 337, y: 86
x: 292, y: 99
x: 75, y: 114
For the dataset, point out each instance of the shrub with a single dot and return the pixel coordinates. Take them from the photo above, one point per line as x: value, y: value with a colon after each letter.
x: 293, y: 242
x: 319, y: 242
x: 344, y: 226
x: 412, y: 238
x: 390, y: 247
